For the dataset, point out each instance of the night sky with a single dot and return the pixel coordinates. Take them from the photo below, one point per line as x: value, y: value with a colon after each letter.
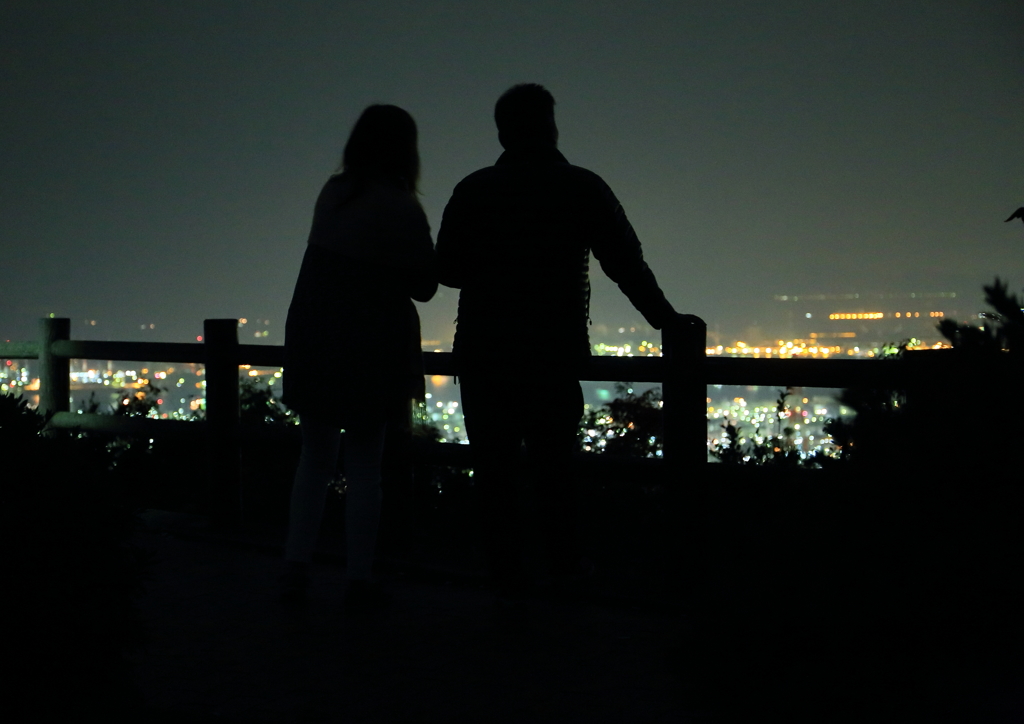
x: 159, y: 161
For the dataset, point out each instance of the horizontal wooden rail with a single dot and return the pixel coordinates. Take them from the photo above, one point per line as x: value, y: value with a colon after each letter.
x: 131, y: 426
x: 138, y: 426
x: 19, y: 350
x: 138, y: 351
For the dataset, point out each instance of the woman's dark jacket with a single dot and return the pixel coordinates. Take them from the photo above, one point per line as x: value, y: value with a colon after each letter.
x: 352, y: 339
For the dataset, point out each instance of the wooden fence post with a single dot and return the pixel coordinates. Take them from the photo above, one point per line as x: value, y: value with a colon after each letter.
x: 222, y: 415
x: 685, y: 394
x: 685, y: 398
x: 54, y: 372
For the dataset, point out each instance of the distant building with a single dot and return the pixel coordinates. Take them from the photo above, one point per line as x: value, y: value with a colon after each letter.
x: 867, y: 320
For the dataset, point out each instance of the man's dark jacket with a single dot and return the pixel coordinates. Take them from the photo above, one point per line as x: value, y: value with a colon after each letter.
x: 516, y: 239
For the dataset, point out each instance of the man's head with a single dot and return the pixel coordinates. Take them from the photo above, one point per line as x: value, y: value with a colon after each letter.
x: 525, y: 115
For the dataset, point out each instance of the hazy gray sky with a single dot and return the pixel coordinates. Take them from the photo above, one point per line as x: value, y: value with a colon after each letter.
x: 159, y: 161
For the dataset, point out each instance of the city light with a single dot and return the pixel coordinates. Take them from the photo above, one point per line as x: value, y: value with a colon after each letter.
x: 857, y: 315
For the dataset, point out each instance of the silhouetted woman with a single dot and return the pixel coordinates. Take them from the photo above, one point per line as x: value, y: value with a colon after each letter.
x: 352, y: 341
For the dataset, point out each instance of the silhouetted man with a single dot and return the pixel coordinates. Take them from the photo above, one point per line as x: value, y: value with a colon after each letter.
x: 516, y: 239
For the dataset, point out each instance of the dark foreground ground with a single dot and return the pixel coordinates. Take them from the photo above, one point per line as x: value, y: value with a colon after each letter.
x: 734, y: 596
x: 222, y: 649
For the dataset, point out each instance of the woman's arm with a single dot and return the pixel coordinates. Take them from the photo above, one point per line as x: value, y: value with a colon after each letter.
x: 423, y: 280
x: 418, y: 259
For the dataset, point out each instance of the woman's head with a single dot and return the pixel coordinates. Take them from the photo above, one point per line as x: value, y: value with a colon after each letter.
x: 383, y: 145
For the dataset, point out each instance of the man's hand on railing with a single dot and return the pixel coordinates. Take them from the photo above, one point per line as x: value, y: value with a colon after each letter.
x: 687, y: 320
x: 685, y: 332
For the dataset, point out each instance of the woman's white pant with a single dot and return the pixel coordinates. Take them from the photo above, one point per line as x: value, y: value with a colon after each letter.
x: 364, y: 446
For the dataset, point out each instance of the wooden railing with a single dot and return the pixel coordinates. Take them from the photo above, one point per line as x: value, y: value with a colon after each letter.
x: 683, y: 370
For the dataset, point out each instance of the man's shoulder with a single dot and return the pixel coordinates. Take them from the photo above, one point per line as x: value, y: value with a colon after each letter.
x: 477, y: 177
x: 564, y: 173
x: 580, y: 174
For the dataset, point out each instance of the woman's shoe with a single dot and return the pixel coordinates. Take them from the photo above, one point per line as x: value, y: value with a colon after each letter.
x: 364, y: 597
x: 293, y: 585
x: 572, y: 580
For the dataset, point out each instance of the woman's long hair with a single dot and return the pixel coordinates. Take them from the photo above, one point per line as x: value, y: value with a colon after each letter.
x: 382, y: 146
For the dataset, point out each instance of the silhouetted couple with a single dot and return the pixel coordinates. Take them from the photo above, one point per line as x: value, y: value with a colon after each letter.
x: 515, y: 239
